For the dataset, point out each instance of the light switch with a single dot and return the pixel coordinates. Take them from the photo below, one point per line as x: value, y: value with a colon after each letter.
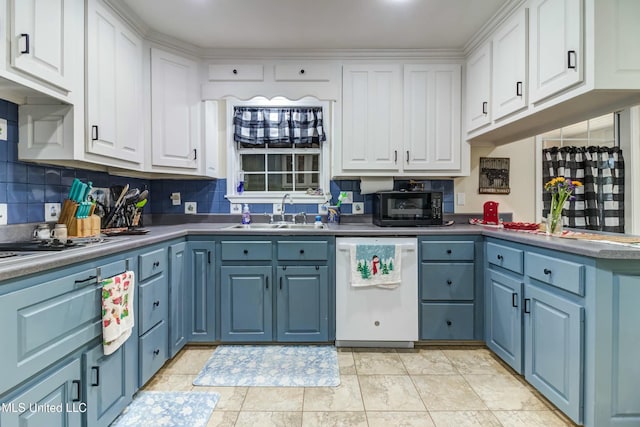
x: 235, y: 208
x: 460, y: 199
x: 3, y: 130
x: 175, y: 199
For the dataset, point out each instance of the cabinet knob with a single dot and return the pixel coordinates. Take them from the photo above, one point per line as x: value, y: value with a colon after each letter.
x: 448, y: 322
x: 235, y: 71
x: 449, y: 251
x: 547, y: 271
x: 246, y: 251
x: 301, y: 251
x: 302, y: 71
x: 449, y: 282
x: 156, y: 303
x: 500, y: 257
x: 377, y: 323
x: 156, y: 264
x: 156, y: 352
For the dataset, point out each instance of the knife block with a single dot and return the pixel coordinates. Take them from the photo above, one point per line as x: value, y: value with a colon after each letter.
x: 78, y: 227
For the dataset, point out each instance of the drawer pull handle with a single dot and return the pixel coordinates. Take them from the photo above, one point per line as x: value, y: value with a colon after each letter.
x: 301, y: 251
x: 246, y: 251
x: 500, y: 257
x: 96, y: 369
x: 547, y: 271
x: 448, y: 322
x: 449, y: 282
x: 88, y: 279
x: 514, y: 299
x: 281, y: 283
x: 267, y: 280
x: 156, y: 352
x: 235, y: 71
x: 156, y: 303
x: 484, y: 107
x: 518, y: 88
x: 78, y: 385
x: 527, y: 309
x: 94, y: 133
x: 449, y: 251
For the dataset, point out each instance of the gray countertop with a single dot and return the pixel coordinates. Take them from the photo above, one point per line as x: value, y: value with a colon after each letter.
x: 42, y: 261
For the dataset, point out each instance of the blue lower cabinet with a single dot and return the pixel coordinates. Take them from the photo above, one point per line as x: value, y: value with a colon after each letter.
x: 200, y: 292
x: 446, y: 321
x: 178, y: 294
x: 109, y: 382
x: 302, y: 304
x: 246, y: 303
x: 503, y: 321
x: 60, y: 389
x: 553, y: 345
x: 152, y: 351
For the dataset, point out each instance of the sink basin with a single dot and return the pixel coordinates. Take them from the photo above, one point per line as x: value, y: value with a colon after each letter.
x: 284, y: 226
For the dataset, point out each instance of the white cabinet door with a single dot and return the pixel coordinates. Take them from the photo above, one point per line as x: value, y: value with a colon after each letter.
x: 372, y: 117
x: 175, y: 111
x: 479, y: 88
x: 114, y: 87
x: 431, y: 117
x: 509, y: 69
x: 555, y: 46
x: 40, y: 43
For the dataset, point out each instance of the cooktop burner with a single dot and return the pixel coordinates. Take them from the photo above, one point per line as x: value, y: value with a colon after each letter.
x: 40, y: 245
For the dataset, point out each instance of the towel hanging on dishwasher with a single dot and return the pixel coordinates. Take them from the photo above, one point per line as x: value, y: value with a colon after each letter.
x: 376, y: 265
x: 117, y: 310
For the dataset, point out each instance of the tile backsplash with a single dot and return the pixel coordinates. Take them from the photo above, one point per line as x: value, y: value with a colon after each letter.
x: 26, y: 187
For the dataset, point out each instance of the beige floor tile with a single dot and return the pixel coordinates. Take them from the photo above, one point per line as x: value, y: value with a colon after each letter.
x: 334, y: 419
x: 170, y: 382
x: 273, y: 399
x: 231, y: 398
x: 269, y: 419
x: 464, y: 419
x: 189, y: 361
x: 399, y: 419
x: 529, y: 419
x: 345, y: 397
x: 447, y: 393
x: 477, y: 361
x: 346, y: 363
x: 426, y: 362
x: 222, y: 418
x: 378, y: 363
x: 504, y: 392
x: 389, y: 393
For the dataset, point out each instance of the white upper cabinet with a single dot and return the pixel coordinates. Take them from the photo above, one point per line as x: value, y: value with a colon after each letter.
x: 510, y: 66
x: 372, y: 117
x: 556, y: 46
x: 431, y: 117
x: 115, y: 127
x: 175, y: 111
x: 478, y: 100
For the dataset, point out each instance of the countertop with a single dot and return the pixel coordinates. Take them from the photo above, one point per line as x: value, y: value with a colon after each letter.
x: 38, y: 262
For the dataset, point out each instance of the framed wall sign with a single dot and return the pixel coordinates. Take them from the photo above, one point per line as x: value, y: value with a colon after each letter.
x: 494, y: 175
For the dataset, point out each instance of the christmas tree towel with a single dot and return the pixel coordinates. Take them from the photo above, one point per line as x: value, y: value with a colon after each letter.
x: 375, y: 265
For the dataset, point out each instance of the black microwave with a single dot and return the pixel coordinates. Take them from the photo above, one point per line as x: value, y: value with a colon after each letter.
x: 407, y: 208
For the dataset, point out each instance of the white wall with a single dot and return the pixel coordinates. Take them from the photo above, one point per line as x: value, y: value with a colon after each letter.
x: 521, y: 200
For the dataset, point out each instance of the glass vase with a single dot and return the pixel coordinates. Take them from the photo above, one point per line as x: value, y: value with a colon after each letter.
x: 554, y: 224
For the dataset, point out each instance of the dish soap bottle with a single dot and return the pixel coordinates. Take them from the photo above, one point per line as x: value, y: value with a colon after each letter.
x: 246, y: 215
x: 318, y: 223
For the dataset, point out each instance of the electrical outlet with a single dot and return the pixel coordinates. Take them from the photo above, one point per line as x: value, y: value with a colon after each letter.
x: 236, y: 208
x: 3, y: 130
x: 460, y: 199
x: 277, y: 208
x: 3, y: 214
x: 51, y: 211
x: 175, y: 199
x: 349, y: 198
x: 357, y: 208
x: 190, y: 208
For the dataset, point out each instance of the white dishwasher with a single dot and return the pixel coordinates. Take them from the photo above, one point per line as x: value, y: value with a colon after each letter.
x: 368, y: 316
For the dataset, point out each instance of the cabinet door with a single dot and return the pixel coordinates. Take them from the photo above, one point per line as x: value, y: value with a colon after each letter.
x: 201, y: 299
x: 60, y: 388
x: 554, y: 349
x: 372, y: 117
x: 246, y: 303
x: 431, y: 117
x: 509, y: 69
x: 114, y: 87
x: 479, y: 88
x: 302, y: 304
x: 504, y: 318
x: 109, y: 381
x: 178, y: 293
x: 41, y: 39
x: 175, y: 111
x: 555, y: 46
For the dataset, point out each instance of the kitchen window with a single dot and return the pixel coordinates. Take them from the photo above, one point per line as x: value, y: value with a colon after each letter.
x: 277, y: 147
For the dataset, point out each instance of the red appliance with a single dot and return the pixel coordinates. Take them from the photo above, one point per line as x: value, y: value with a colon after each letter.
x: 490, y: 215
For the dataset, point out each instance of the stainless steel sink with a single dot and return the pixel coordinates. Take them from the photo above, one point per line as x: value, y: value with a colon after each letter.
x: 277, y: 226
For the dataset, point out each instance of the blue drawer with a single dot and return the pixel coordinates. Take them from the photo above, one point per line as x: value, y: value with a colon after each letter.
x: 446, y: 281
x: 152, y: 303
x: 447, y: 251
x: 113, y: 269
x: 246, y: 251
x: 560, y: 273
x: 153, y: 351
x: 152, y: 263
x: 450, y: 321
x: 506, y: 257
x: 303, y: 251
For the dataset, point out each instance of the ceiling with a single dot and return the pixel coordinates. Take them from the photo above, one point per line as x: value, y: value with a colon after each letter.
x: 317, y: 24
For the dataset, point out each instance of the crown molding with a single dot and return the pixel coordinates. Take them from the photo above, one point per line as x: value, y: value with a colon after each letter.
x: 505, y: 11
x: 326, y: 54
x: 129, y: 16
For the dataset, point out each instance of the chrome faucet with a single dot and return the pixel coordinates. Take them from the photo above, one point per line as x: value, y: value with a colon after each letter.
x: 282, y: 209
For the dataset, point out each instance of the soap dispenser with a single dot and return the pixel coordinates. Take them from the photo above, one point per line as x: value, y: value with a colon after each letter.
x: 246, y: 215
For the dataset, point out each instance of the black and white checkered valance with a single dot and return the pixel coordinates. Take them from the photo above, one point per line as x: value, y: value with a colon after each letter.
x: 270, y: 125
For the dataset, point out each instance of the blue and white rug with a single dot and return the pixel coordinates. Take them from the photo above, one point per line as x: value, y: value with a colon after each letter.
x: 278, y: 366
x: 168, y: 408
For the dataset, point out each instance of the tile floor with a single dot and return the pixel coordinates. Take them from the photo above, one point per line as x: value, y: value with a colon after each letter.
x: 427, y: 386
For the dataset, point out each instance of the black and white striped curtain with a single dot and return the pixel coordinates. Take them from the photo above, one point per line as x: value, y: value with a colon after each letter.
x: 599, y: 203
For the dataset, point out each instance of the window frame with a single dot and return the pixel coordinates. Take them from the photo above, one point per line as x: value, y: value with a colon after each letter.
x: 233, y: 154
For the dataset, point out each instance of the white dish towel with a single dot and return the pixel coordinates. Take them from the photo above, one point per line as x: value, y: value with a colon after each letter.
x: 376, y: 265
x: 117, y: 310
